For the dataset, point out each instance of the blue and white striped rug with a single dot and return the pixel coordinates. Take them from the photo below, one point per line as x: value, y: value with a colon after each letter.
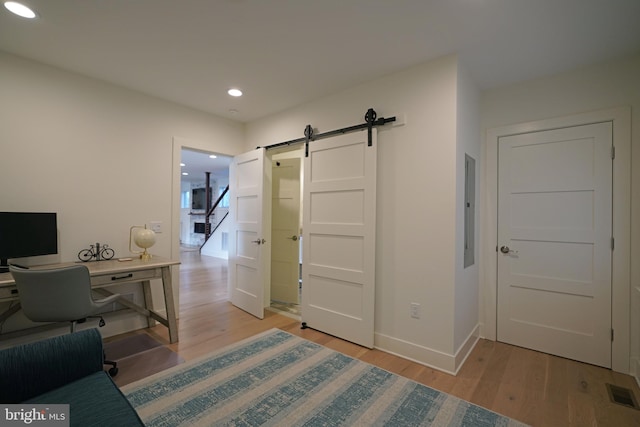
x: 278, y: 379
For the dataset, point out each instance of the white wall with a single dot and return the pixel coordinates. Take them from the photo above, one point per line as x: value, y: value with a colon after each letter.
x: 98, y: 155
x: 602, y: 86
x: 469, y: 141
x: 416, y: 201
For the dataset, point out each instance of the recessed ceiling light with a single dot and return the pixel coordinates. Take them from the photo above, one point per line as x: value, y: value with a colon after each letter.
x: 185, y: 173
x: 20, y: 9
x: 182, y: 165
x: 213, y: 156
x: 234, y: 92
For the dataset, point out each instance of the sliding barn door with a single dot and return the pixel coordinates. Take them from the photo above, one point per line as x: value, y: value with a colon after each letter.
x: 249, y: 231
x: 339, y: 224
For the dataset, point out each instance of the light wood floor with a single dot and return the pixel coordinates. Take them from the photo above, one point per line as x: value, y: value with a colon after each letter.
x: 532, y: 387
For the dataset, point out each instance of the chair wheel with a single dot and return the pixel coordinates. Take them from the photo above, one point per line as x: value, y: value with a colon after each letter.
x: 113, y: 371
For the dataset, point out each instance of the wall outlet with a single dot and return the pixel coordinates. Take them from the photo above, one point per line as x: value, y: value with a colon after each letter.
x: 156, y: 226
x: 414, y: 310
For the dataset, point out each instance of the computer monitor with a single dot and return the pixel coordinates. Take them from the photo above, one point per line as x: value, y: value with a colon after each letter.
x: 26, y: 234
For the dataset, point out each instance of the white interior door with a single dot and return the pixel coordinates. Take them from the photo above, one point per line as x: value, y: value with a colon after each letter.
x: 554, y: 238
x: 249, y: 231
x: 285, y: 230
x: 339, y: 219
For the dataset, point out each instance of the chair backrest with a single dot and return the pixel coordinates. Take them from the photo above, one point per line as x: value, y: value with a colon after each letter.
x: 54, y: 295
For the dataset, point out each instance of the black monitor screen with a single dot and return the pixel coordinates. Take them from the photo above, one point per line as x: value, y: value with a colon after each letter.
x: 25, y: 234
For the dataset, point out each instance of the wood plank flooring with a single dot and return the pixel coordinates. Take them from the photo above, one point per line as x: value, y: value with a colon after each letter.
x: 532, y: 387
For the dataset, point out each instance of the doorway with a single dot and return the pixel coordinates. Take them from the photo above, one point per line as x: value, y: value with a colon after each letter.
x: 339, y: 210
x: 621, y: 223
x: 199, y: 170
x: 286, y: 248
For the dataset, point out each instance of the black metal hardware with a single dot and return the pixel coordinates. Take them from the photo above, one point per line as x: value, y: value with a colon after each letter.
x: 308, y: 133
x: 128, y: 276
x: 371, y: 120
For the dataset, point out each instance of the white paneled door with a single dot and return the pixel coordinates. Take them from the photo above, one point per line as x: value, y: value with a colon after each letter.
x: 249, y: 231
x: 339, y: 224
x: 554, y: 242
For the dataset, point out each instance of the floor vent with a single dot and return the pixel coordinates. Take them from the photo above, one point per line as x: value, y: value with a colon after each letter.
x: 622, y: 396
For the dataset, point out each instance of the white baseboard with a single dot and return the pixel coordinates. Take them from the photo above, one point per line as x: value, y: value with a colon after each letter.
x: 449, y: 363
x: 635, y: 369
x: 467, y: 347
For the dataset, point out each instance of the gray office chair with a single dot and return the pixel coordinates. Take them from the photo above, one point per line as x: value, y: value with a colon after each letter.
x: 59, y: 295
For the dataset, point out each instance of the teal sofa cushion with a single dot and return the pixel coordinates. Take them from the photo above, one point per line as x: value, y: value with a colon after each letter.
x: 93, y: 400
x: 67, y: 369
x: 31, y: 369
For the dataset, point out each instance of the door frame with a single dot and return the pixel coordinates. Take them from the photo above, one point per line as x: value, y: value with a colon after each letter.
x: 621, y: 256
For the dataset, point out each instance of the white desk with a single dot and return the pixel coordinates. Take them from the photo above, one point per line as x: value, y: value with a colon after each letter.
x: 112, y: 272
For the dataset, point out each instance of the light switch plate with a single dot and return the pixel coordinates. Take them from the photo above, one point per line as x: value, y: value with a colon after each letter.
x: 156, y: 226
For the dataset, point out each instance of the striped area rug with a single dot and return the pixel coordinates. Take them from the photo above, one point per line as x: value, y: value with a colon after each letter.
x: 278, y: 379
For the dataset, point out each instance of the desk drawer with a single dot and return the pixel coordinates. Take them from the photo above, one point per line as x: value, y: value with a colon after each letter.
x: 125, y: 277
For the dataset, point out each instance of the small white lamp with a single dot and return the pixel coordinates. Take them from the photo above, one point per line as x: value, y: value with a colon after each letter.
x: 143, y: 238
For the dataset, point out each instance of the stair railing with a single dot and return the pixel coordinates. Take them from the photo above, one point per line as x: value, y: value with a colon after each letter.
x: 208, y: 232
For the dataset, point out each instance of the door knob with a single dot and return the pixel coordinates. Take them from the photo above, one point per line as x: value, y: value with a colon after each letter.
x: 294, y: 238
x: 259, y: 241
x: 506, y: 250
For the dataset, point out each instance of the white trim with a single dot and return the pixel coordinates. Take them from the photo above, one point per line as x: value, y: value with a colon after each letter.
x: 621, y: 265
x: 466, y: 348
x: 635, y: 361
x: 449, y: 363
x: 416, y: 353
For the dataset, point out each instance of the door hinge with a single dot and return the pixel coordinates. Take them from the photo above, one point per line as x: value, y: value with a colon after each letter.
x: 611, y: 334
x: 613, y: 152
x: 613, y: 243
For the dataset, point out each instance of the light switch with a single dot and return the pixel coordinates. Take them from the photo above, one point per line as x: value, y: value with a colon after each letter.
x: 156, y: 226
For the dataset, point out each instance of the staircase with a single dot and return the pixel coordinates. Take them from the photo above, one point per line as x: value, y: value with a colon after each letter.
x: 209, y: 226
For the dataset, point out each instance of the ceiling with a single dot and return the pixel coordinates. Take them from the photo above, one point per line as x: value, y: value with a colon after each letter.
x: 196, y: 163
x: 282, y: 53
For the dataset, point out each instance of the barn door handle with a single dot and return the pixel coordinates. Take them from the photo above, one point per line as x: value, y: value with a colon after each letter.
x: 294, y: 238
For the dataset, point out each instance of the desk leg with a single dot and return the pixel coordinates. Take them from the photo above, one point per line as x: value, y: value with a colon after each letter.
x: 10, y: 312
x: 148, y: 301
x: 169, y: 304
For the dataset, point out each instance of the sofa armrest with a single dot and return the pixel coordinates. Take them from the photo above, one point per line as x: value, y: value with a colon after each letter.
x: 35, y: 368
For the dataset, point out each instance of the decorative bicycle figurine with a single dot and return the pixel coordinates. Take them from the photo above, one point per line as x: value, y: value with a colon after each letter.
x: 97, y: 251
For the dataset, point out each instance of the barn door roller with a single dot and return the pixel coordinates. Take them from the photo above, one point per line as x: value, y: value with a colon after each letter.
x: 370, y: 119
